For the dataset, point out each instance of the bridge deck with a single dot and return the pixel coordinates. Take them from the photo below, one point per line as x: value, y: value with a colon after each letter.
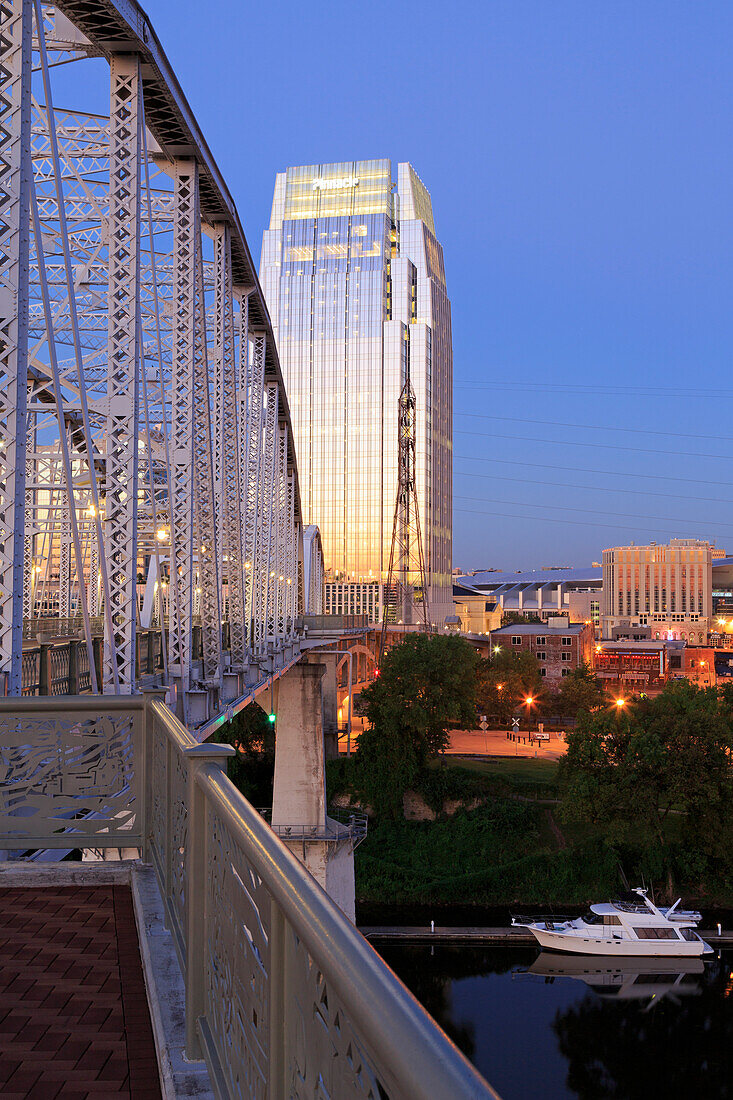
x: 74, y: 1018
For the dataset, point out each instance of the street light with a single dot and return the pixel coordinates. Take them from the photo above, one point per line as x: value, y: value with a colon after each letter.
x: 620, y: 703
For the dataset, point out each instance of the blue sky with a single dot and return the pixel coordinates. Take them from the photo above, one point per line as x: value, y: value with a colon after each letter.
x: 579, y: 159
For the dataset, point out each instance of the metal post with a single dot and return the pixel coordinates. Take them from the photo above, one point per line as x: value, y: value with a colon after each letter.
x: 197, y: 758
x: 122, y: 368
x: 15, y: 192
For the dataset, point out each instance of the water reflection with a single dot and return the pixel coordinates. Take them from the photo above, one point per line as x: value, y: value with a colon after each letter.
x: 647, y: 980
x: 556, y: 1027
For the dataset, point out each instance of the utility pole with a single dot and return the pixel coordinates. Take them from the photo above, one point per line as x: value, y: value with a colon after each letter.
x: 406, y: 592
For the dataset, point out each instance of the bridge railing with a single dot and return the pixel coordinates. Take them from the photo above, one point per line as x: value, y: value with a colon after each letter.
x: 284, y: 997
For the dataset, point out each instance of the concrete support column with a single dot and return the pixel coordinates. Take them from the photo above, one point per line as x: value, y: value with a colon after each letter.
x: 299, y: 790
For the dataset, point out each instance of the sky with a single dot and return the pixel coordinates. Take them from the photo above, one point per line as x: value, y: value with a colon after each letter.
x: 579, y: 159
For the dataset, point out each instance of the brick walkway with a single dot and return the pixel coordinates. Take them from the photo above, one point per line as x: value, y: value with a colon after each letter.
x: 74, y: 1020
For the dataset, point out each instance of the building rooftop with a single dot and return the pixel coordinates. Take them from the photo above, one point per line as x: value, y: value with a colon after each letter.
x: 534, y: 576
x: 539, y: 628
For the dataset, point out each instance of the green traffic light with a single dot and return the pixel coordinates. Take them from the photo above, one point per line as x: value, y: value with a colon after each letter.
x: 271, y: 717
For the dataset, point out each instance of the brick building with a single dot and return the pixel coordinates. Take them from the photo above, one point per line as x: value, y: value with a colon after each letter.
x: 558, y: 645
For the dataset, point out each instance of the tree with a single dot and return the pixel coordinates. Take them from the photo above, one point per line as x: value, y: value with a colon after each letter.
x: 504, y: 681
x: 425, y: 684
x: 631, y: 770
x: 581, y: 690
x: 252, y: 769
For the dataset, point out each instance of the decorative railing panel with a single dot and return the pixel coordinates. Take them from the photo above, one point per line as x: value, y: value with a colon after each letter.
x: 70, y: 775
x: 284, y: 998
x: 31, y: 671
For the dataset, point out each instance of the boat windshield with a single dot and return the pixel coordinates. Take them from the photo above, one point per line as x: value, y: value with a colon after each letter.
x: 631, y: 906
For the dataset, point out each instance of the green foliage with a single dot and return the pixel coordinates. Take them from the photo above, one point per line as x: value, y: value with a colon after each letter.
x: 426, y: 683
x: 252, y: 769
x: 580, y: 691
x: 499, y: 853
x: 510, y: 617
x: 505, y: 680
x: 634, y: 772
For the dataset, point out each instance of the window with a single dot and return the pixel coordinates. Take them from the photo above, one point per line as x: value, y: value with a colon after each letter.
x: 541, y: 656
x: 543, y: 671
x: 609, y: 919
x: 566, y: 672
x: 653, y: 933
x: 540, y: 641
x: 516, y: 640
x: 567, y: 641
x: 565, y: 656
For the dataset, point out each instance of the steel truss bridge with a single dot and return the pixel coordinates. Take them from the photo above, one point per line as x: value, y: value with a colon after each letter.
x: 148, y: 475
x: 149, y: 491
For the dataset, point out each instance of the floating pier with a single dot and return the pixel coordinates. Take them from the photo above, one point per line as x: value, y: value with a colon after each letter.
x: 518, y: 936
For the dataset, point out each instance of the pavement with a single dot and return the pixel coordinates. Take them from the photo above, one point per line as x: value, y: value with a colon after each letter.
x: 74, y: 1018
x: 496, y: 743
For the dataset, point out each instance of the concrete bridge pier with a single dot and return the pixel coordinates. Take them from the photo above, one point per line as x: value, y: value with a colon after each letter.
x: 299, y: 796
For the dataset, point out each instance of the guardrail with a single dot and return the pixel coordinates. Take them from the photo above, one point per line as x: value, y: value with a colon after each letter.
x: 284, y: 997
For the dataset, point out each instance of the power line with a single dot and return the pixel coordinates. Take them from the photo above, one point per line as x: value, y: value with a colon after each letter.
x: 587, y: 511
x: 593, y: 488
x: 604, y: 446
x: 582, y: 387
x: 590, y: 470
x: 570, y: 522
x: 589, y: 427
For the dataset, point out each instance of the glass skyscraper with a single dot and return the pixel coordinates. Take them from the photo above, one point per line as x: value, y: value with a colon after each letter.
x: 355, y: 284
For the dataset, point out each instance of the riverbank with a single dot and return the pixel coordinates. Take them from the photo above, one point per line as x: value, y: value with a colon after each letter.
x: 483, y: 834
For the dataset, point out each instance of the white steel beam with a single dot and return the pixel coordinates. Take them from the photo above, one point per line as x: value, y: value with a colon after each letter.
x: 15, y: 184
x: 122, y: 368
x: 266, y: 493
x: 203, y: 466
x: 229, y: 446
x: 185, y: 179
x: 253, y: 499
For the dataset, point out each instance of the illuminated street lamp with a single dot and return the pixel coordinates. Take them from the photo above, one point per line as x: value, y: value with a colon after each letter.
x: 620, y: 703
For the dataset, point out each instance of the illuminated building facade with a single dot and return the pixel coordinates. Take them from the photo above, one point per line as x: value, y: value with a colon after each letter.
x: 667, y: 589
x: 355, y: 285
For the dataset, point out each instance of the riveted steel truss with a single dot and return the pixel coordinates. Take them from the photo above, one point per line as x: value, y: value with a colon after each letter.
x: 144, y: 432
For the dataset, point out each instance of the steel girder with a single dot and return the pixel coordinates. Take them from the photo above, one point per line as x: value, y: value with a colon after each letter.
x: 173, y: 365
x: 253, y: 496
x: 123, y: 317
x: 183, y: 579
x: 15, y: 185
x: 228, y: 436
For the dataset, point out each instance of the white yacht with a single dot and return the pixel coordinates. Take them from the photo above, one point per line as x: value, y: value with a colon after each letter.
x: 633, y: 926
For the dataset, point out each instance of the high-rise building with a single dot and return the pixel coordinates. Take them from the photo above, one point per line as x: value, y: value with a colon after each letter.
x: 665, y: 589
x: 355, y: 284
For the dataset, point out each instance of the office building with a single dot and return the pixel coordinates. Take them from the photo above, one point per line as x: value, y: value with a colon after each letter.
x: 667, y: 589
x: 355, y: 285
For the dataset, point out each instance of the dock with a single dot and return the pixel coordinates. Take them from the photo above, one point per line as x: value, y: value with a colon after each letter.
x: 518, y: 936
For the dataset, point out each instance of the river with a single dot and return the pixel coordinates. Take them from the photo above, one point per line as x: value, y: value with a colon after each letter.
x: 549, y: 1026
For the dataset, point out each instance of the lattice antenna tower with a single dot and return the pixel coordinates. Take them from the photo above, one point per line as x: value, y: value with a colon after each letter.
x: 406, y: 592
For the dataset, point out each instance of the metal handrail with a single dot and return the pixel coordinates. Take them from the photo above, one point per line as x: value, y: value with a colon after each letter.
x: 423, y: 1062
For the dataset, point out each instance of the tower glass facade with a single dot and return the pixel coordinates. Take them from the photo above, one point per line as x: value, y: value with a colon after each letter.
x: 355, y: 285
